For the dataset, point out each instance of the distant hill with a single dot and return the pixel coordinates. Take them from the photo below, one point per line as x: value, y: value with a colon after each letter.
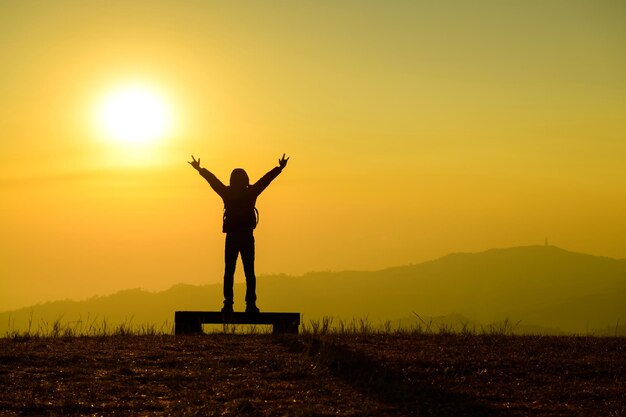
x: 541, y: 286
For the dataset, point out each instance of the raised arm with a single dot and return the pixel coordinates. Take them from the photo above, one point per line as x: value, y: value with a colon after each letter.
x: 266, y: 179
x: 213, y: 181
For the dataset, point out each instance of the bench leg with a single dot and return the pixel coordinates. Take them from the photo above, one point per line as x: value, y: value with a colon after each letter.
x: 187, y: 326
x: 285, y: 328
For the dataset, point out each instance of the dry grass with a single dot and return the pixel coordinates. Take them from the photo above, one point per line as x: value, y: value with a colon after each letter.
x: 319, y: 373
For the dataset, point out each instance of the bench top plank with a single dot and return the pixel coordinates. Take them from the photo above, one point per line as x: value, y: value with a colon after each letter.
x: 217, y: 317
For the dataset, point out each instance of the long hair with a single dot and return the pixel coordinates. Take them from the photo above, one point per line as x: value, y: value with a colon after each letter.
x: 239, y: 179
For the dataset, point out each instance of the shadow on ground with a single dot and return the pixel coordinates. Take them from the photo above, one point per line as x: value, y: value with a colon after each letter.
x: 388, y: 386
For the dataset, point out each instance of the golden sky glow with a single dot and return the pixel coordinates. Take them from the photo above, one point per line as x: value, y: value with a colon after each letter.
x: 414, y: 128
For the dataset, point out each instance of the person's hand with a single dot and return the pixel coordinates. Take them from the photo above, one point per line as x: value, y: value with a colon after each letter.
x: 194, y: 163
x: 282, y: 162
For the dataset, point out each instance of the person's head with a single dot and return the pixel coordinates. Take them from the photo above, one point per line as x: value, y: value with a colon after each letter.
x: 239, y: 179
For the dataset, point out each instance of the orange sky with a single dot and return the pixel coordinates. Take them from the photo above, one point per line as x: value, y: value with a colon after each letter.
x: 415, y: 129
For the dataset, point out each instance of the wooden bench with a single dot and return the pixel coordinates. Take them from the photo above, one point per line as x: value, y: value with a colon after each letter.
x: 190, y: 322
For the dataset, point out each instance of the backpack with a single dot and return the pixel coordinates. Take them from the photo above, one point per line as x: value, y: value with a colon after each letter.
x: 257, y: 217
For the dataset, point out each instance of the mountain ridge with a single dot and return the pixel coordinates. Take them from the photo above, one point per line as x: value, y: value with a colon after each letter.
x: 543, y: 286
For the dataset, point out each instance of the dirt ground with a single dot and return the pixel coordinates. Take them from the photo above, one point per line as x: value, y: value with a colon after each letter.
x: 329, y: 375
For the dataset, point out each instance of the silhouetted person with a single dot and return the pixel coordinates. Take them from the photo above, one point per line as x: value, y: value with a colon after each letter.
x: 240, y: 219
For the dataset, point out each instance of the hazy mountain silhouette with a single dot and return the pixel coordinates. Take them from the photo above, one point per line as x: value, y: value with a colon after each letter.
x: 540, y: 285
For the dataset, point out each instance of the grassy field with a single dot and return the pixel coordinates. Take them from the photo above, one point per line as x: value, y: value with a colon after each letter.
x: 315, y: 374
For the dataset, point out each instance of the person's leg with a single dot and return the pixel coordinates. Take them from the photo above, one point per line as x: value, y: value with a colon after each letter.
x: 247, y: 256
x: 231, y: 252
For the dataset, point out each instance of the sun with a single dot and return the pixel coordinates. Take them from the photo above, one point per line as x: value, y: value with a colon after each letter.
x: 134, y: 115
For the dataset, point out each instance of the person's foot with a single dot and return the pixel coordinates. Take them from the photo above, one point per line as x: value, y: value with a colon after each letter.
x: 228, y: 308
x: 252, y: 308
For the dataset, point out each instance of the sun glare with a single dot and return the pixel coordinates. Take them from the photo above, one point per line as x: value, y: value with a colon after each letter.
x: 134, y: 115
